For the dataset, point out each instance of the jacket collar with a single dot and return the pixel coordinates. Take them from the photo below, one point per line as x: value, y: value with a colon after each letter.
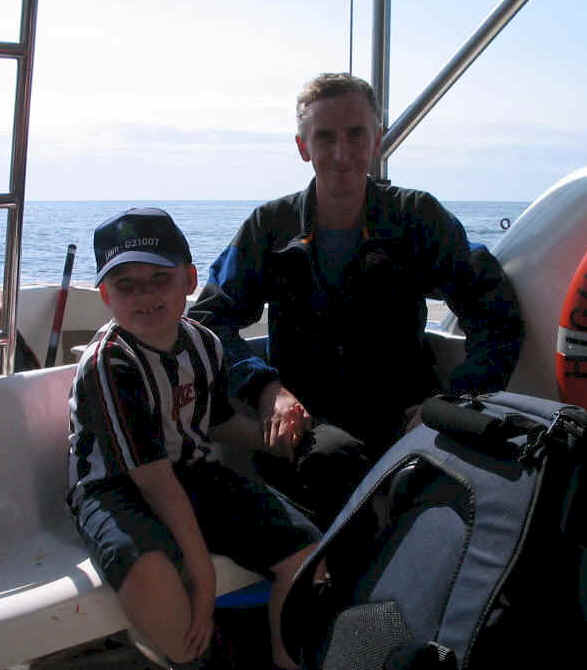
x: 371, y: 209
x: 306, y: 206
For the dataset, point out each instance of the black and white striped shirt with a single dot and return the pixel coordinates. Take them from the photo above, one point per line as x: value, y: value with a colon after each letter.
x: 132, y: 404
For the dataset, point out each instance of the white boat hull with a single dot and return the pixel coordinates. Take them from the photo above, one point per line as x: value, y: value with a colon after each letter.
x: 540, y: 253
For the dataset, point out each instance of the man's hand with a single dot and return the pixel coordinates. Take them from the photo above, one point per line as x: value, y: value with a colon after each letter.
x: 283, y: 419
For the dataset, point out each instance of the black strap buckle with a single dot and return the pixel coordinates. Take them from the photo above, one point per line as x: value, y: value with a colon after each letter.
x: 568, y: 429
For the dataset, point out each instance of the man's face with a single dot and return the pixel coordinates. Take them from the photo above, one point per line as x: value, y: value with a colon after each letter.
x: 341, y: 138
x: 147, y: 300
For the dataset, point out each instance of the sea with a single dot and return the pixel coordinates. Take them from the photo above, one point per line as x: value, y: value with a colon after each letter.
x: 209, y: 225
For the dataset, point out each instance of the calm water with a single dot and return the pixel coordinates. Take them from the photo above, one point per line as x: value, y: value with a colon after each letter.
x: 49, y: 227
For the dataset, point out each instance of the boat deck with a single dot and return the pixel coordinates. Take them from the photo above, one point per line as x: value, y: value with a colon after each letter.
x: 243, y: 628
x: 113, y: 651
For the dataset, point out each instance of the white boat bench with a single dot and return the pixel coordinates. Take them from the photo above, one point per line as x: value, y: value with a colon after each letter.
x: 51, y: 597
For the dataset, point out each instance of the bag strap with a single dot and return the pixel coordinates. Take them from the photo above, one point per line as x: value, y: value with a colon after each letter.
x: 570, y: 422
x: 486, y: 433
x: 493, y: 434
x: 417, y: 655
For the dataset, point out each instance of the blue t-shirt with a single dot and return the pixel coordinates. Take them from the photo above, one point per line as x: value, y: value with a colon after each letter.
x: 335, y: 248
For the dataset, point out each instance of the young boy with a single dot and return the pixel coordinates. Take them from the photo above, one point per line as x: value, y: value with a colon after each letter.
x: 148, y: 395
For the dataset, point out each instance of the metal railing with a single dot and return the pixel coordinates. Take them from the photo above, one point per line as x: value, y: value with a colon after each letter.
x: 13, y: 201
x: 380, y: 69
x: 458, y: 64
x: 23, y: 52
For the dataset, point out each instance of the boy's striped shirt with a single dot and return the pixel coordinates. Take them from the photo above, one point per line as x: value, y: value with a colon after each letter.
x: 132, y: 404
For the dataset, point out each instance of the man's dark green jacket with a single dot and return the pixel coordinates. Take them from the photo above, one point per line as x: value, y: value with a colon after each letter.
x: 357, y: 356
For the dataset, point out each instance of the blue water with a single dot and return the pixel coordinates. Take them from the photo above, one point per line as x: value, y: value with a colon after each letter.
x: 49, y: 227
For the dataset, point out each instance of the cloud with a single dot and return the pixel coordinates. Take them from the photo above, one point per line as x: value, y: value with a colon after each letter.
x: 454, y: 160
x: 202, y: 136
x: 517, y: 170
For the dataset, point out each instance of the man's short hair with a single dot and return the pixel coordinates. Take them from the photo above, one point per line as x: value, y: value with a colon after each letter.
x: 331, y: 85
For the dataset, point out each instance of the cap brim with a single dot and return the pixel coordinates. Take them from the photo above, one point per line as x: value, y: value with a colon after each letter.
x: 135, y: 257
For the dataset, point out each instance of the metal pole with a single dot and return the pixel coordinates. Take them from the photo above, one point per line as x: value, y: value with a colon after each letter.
x: 380, y: 71
x: 17, y: 181
x: 351, y: 39
x: 466, y: 55
x: 55, y: 333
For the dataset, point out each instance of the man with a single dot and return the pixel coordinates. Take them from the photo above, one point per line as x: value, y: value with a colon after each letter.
x: 346, y: 266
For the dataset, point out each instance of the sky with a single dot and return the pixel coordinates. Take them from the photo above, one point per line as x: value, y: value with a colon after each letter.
x: 195, y: 100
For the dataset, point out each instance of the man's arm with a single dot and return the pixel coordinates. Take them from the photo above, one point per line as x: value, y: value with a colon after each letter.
x: 280, y: 431
x: 234, y: 298
x: 475, y: 287
x: 282, y: 419
x: 489, y: 315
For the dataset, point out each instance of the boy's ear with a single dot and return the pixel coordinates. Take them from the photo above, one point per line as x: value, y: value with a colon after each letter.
x: 104, y: 293
x: 192, y: 278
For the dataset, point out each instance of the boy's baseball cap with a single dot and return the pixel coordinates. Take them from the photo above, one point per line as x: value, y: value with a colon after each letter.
x: 139, y: 235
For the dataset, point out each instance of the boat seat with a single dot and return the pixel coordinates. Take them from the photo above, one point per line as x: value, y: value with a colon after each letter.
x: 51, y: 597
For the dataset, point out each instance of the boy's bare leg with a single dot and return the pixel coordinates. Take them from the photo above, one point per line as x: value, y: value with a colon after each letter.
x: 156, y: 603
x: 284, y: 573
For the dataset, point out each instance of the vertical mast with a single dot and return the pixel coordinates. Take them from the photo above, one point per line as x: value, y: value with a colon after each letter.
x: 351, y: 17
x: 380, y: 71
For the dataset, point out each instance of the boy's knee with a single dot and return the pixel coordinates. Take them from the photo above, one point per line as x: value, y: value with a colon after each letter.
x: 152, y: 580
x: 156, y: 603
x: 181, y: 657
x: 145, y: 569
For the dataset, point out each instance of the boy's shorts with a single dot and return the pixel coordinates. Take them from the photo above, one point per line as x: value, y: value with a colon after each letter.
x: 238, y: 517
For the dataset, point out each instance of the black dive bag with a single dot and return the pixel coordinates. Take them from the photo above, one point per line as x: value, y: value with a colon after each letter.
x: 462, y: 548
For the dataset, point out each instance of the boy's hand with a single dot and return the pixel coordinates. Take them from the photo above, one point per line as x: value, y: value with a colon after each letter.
x: 200, y: 632
x: 168, y: 499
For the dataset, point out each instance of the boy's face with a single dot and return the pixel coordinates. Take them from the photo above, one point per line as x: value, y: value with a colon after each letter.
x: 147, y: 300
